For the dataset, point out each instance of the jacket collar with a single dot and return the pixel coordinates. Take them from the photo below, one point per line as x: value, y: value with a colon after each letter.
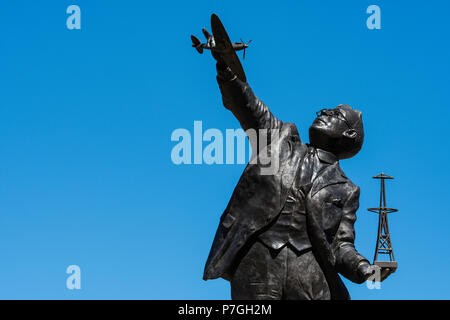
x: 332, y: 174
x: 326, y: 156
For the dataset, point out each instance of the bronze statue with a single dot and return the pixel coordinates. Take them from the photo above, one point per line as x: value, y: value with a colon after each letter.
x: 287, y: 235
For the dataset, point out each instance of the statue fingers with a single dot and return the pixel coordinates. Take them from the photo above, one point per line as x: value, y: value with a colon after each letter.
x: 206, y: 33
x: 385, y: 273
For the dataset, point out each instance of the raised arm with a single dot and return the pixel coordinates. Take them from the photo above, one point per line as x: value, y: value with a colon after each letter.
x: 238, y: 97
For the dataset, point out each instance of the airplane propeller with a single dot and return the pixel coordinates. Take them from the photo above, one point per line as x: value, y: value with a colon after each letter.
x: 246, y: 45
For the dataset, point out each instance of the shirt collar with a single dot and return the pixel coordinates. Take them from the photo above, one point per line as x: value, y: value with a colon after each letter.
x: 326, y: 156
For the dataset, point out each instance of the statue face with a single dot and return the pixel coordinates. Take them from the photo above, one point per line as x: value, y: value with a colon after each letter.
x: 330, y: 122
x: 329, y: 129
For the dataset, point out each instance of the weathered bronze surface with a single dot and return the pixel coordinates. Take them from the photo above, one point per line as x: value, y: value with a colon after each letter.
x: 287, y: 235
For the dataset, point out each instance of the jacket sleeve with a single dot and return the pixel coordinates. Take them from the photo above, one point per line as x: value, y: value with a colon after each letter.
x: 347, y: 258
x: 238, y: 97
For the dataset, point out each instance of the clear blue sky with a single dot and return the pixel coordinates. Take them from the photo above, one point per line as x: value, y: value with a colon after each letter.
x: 86, y: 116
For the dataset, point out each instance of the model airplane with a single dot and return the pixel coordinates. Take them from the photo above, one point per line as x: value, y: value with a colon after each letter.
x: 221, y: 47
x: 210, y: 43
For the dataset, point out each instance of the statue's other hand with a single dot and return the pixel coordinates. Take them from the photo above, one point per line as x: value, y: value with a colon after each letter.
x: 385, y: 272
x: 366, y: 270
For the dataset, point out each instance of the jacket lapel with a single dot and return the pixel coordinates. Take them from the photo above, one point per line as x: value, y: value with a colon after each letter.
x: 328, y: 176
x: 296, y: 153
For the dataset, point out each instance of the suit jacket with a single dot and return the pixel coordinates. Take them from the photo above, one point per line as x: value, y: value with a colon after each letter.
x: 331, y: 202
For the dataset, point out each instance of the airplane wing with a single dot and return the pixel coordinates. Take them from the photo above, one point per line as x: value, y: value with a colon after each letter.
x: 225, y: 48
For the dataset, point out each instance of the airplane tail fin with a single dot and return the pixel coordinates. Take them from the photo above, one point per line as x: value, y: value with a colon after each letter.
x: 196, y: 43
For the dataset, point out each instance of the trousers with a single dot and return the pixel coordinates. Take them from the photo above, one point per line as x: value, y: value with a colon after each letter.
x: 284, y: 274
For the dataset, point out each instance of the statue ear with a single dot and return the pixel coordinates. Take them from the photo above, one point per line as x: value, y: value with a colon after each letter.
x: 350, y: 133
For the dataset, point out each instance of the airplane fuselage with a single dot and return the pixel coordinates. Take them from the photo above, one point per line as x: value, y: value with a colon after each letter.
x: 237, y: 46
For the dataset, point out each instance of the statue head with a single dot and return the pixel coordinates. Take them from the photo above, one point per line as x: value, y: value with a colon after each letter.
x: 339, y: 131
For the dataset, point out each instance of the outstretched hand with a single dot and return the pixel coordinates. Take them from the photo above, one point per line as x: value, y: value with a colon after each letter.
x: 224, y: 72
x: 211, y: 45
